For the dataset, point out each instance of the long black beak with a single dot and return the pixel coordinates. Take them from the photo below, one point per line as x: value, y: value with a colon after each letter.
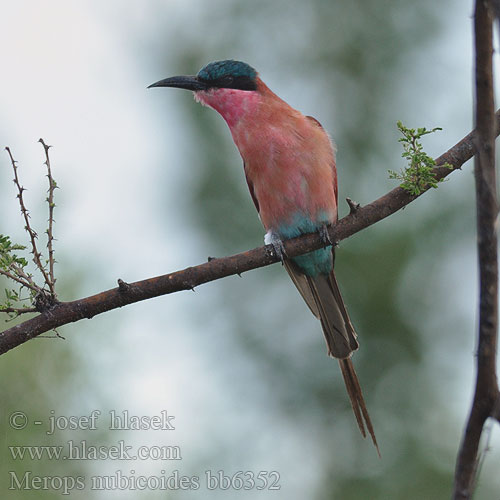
x: 182, y: 82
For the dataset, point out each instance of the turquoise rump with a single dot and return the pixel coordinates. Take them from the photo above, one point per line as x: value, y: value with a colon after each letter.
x: 313, y: 263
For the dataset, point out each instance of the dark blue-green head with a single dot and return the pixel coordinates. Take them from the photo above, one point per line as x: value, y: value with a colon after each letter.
x: 229, y: 74
x: 226, y: 74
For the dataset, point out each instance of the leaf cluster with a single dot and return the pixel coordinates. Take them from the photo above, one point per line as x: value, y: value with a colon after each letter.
x: 419, y: 175
x: 14, y: 267
x: 7, y: 257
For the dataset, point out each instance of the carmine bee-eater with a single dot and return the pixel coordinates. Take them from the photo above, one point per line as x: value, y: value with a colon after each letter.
x: 289, y: 164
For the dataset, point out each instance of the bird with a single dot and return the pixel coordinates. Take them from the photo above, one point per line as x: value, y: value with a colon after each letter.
x: 289, y: 165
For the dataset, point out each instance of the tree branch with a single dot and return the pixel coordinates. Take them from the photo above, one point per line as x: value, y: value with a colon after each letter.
x: 63, y: 313
x: 486, y: 396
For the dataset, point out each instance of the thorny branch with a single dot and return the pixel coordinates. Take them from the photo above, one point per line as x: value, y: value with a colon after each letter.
x: 50, y: 235
x: 486, y: 400
x: 62, y: 313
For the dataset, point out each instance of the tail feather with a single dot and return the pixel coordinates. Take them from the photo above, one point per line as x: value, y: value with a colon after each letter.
x: 339, y: 333
x: 357, y: 401
x: 323, y: 297
x: 345, y: 315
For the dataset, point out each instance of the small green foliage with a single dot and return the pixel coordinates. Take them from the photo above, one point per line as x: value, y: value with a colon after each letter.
x: 12, y: 298
x: 14, y: 267
x: 7, y: 257
x: 418, y: 175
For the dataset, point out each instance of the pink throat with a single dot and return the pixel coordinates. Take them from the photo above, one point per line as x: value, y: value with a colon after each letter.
x: 231, y: 104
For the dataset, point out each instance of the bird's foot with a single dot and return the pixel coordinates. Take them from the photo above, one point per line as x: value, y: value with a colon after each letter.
x: 278, y: 247
x: 325, y: 235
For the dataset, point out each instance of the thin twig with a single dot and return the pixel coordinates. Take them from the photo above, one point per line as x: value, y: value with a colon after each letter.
x: 23, y: 279
x: 486, y: 391
x: 56, y: 336
x: 18, y: 270
x: 63, y: 313
x: 50, y: 235
x: 18, y: 310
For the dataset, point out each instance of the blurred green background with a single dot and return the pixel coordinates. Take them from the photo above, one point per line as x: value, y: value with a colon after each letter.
x: 151, y: 183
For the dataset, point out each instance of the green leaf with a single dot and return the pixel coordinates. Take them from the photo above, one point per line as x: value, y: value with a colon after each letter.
x: 418, y: 176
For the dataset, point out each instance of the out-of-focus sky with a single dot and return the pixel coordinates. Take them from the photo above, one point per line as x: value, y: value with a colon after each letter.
x: 75, y: 73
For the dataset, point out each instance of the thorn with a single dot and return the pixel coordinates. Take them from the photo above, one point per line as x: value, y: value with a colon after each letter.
x: 123, y: 287
x: 210, y: 259
x: 42, y: 142
x: 353, y: 206
x: 188, y: 286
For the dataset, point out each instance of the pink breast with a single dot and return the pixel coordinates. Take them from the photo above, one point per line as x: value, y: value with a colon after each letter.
x: 289, y: 159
